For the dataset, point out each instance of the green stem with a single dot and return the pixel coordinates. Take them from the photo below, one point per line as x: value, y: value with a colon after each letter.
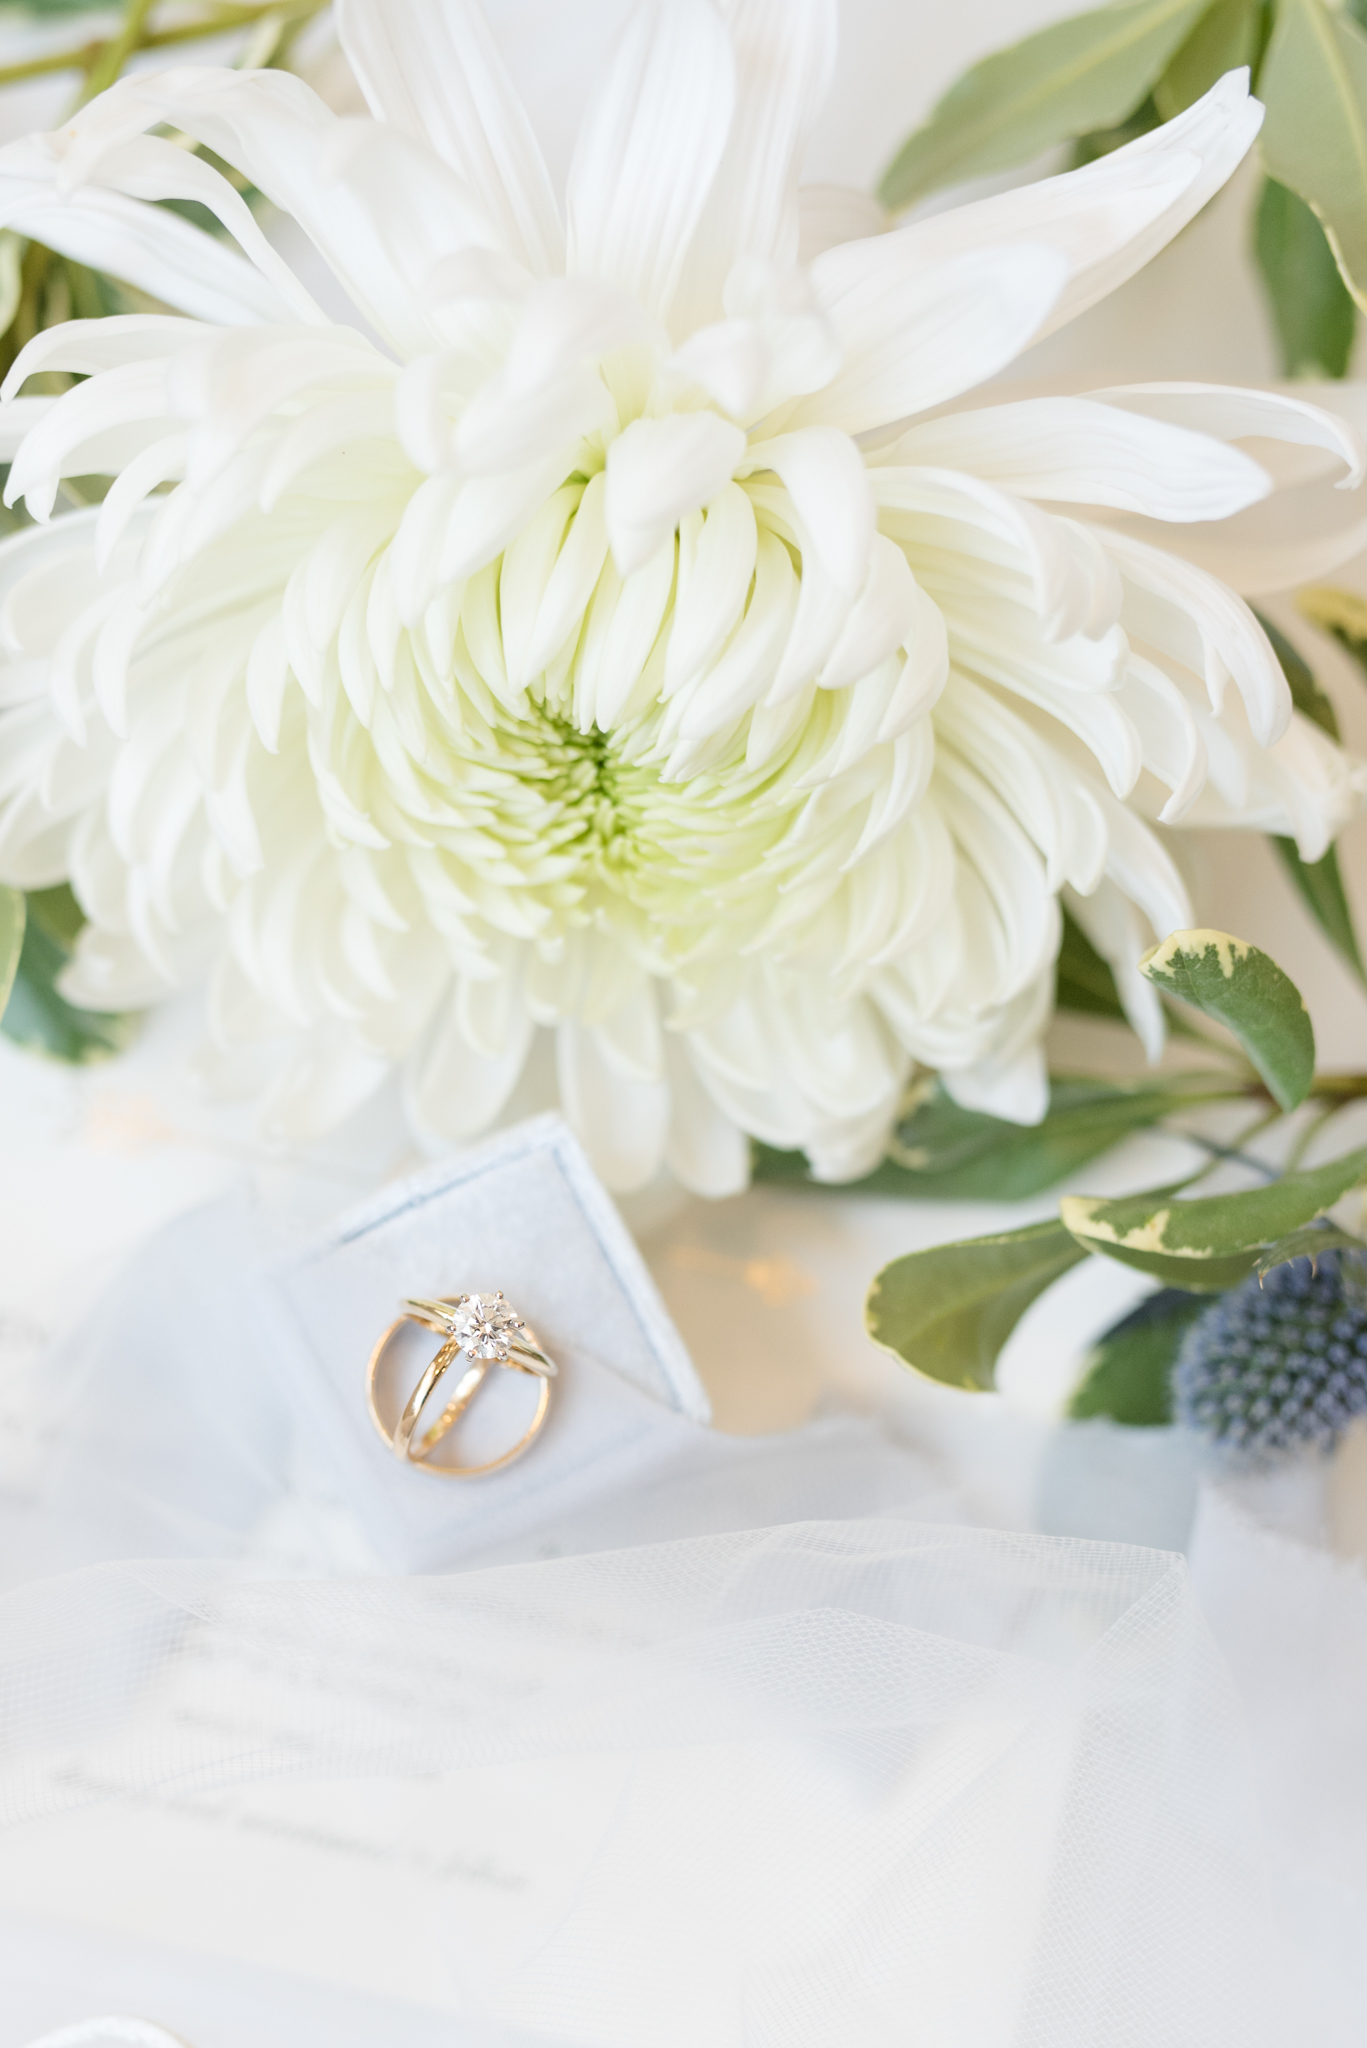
x: 1221, y: 1155
x: 1306, y: 1136
x: 1338, y: 1087
x: 114, y: 54
x: 93, y: 58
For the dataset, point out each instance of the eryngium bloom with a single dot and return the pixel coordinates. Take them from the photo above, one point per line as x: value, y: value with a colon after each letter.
x: 622, y: 628
x: 1271, y: 1366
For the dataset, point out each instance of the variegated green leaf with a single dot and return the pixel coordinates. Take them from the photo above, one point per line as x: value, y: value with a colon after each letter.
x: 1241, y: 988
x: 1214, y: 1242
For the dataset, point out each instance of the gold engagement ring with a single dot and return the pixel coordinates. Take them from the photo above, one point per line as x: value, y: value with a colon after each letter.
x: 486, y: 1331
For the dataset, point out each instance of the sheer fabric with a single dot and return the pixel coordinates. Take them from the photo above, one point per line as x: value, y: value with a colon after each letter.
x: 788, y: 1754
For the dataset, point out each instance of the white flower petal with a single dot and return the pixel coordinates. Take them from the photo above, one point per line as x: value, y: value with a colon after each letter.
x: 1091, y: 454
x: 1232, y: 414
x: 659, y: 470
x: 1012, y: 1085
x: 380, y: 207
x: 146, y: 167
x: 1182, y: 600
x: 881, y: 619
x: 740, y: 677
x: 705, y: 1149
x: 623, y: 626
x: 1112, y: 924
x: 784, y: 56
x: 716, y: 564
x: 432, y: 67
x: 649, y: 149
x: 1169, y: 735
x: 146, y: 246
x: 825, y: 477
x: 1055, y: 807
x: 333, y: 1075
x: 946, y: 509
x: 1142, y: 867
x: 1111, y: 217
x: 622, y: 1123
x: 572, y: 581
x: 916, y: 332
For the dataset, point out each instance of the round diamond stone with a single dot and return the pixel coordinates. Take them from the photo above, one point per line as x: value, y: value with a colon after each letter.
x: 485, y: 1325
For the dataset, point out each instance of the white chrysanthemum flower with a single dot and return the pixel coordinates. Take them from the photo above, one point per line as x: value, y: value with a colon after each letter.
x: 624, y: 630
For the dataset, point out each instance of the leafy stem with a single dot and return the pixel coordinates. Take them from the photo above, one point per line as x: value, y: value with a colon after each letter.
x: 102, y: 61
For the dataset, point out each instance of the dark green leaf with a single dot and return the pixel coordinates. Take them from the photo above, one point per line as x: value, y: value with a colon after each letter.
x: 11, y: 940
x: 1206, y: 1245
x: 1099, y: 142
x: 36, y: 1016
x: 1321, y: 886
x: 1078, y: 75
x: 1246, y: 991
x: 1308, y: 1244
x: 1313, y: 83
x: 946, y: 1154
x: 1227, y: 36
x: 959, y: 1155
x: 1310, y: 304
x: 948, y: 1311
x: 1128, y: 1373
x: 1082, y: 979
x: 1306, y: 694
x: 1319, y: 882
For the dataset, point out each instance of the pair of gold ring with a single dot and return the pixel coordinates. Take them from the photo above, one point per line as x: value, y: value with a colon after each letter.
x: 485, y: 1331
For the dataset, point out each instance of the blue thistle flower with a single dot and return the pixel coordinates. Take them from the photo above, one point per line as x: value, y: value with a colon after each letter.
x: 1285, y: 1363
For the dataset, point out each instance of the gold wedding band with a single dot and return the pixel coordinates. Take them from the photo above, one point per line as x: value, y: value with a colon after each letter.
x: 488, y: 1332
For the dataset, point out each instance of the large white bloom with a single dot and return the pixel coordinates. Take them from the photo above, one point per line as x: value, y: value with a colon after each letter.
x: 624, y: 628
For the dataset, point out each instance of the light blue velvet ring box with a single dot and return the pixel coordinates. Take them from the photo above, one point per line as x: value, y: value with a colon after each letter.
x: 522, y: 1213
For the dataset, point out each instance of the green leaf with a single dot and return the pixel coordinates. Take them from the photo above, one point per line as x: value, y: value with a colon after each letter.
x: 1314, y: 84
x: 1341, y: 613
x: 36, y: 1016
x: 1320, y: 883
x: 960, y: 1155
x: 1246, y: 991
x: 1227, y: 36
x: 1306, y: 694
x: 11, y: 940
x: 58, y: 912
x: 948, y: 1311
x: 1099, y: 142
x: 1128, y: 1374
x: 943, y: 1153
x: 1206, y: 1245
x: 1082, y: 979
x: 1311, y: 306
x: 1077, y: 75
x: 1308, y: 1244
